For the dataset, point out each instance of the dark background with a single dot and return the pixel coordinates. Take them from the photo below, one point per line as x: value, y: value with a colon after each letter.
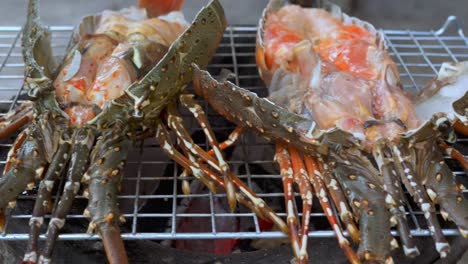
x: 395, y: 14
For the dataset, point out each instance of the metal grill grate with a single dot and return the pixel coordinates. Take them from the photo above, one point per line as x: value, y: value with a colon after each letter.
x: 418, y: 54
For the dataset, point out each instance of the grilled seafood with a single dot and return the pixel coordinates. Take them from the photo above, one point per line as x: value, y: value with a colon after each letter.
x: 335, y: 100
x: 121, y: 71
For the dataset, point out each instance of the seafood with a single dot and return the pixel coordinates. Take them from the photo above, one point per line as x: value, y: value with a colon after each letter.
x: 335, y: 100
x: 119, y: 82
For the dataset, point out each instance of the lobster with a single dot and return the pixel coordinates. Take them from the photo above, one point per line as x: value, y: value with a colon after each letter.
x: 120, y: 81
x: 343, y: 127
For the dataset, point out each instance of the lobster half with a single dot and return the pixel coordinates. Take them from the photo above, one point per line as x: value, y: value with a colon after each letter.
x: 120, y: 81
x: 335, y: 99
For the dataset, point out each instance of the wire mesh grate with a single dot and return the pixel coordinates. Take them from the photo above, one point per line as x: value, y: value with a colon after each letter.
x: 157, y: 214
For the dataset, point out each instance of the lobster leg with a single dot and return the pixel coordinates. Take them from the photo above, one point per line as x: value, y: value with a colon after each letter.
x: 83, y: 141
x: 188, y: 102
x: 260, y: 206
x: 11, y: 157
x: 28, y: 157
x: 105, y: 175
x: 320, y: 189
x: 246, y: 196
x: 455, y: 154
x: 461, y: 128
x: 175, y: 122
x: 198, y: 164
x: 441, y: 185
x: 356, y: 174
x: 13, y: 152
x: 420, y: 196
x: 43, y: 202
x: 339, y: 199
x: 265, y: 211
x: 303, y: 181
x: 394, y: 198
x: 449, y: 196
x: 190, y: 166
x: 16, y: 119
x: 185, y: 183
x: 284, y: 161
x: 232, y: 139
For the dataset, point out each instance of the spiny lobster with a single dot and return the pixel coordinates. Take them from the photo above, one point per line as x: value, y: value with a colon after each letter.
x: 120, y: 81
x: 336, y: 100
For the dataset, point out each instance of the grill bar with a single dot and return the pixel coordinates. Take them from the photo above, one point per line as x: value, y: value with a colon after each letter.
x: 219, y: 235
x: 418, y: 54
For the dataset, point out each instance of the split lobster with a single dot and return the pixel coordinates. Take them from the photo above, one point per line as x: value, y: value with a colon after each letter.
x: 335, y: 100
